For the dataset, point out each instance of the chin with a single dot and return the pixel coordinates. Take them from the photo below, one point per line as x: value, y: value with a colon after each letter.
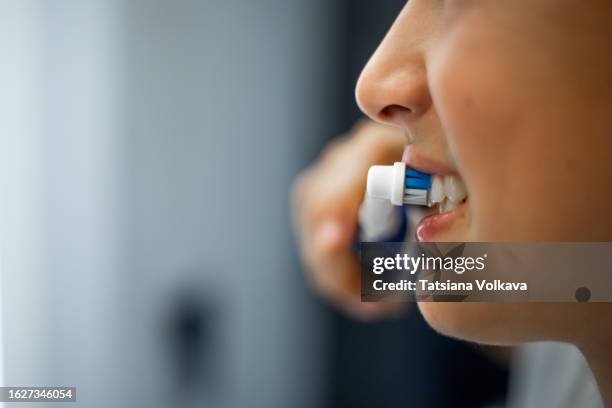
x: 485, y: 323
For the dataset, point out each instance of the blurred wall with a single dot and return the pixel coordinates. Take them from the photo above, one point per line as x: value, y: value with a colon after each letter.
x: 145, y: 158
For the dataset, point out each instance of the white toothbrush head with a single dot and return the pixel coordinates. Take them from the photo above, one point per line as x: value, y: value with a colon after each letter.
x: 399, y: 185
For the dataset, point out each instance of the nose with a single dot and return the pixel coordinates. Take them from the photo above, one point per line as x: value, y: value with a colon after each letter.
x: 393, y: 86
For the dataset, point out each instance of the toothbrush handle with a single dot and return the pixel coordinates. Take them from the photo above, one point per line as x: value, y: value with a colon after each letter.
x: 380, y: 221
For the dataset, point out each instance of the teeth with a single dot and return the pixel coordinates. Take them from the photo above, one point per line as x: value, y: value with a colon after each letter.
x: 454, y: 189
x: 437, y: 189
x: 441, y: 206
x: 447, y: 192
x: 447, y: 206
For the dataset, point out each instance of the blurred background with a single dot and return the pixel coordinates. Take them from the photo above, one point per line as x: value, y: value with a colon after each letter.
x: 147, y: 149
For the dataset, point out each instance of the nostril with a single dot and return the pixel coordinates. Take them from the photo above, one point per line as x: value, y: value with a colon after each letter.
x: 391, y: 112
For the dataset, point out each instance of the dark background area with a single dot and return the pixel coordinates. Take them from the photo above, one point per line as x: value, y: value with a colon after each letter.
x: 400, y: 362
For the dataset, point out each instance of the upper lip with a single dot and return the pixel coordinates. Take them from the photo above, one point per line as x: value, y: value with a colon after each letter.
x: 418, y: 161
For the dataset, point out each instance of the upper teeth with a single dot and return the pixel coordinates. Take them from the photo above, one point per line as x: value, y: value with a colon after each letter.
x: 447, y: 187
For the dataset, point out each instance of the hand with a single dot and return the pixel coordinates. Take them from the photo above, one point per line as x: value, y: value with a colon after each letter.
x: 326, y: 200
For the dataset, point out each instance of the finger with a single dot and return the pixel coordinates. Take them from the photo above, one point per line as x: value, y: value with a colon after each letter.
x: 336, y: 273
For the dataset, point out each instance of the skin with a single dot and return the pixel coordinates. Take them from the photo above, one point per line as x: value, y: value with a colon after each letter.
x: 326, y: 200
x: 514, y: 96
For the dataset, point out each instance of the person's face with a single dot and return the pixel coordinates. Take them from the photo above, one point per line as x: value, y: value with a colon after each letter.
x: 514, y: 98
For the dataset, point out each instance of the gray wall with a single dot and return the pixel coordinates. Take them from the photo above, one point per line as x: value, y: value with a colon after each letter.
x: 145, y: 165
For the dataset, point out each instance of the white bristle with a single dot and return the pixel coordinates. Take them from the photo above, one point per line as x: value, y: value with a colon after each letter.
x: 416, y: 196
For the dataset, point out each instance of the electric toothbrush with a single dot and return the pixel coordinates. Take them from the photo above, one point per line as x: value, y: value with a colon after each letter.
x: 382, y: 216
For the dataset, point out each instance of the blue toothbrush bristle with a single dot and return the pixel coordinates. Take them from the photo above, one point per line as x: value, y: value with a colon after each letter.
x: 410, y: 172
x: 417, y: 179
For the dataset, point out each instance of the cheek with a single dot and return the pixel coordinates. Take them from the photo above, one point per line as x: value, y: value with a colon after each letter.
x: 505, y: 113
x: 535, y: 158
x: 478, y: 116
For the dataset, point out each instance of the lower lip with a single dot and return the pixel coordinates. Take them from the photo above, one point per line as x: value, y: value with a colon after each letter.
x: 432, y: 226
